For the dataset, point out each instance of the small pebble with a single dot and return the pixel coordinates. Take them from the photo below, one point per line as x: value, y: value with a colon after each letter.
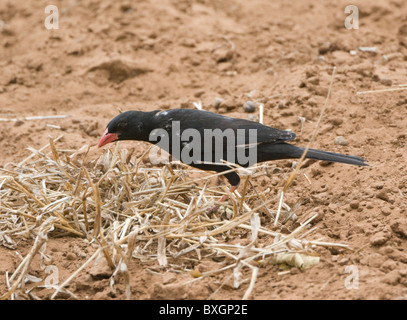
x: 386, y: 82
x: 369, y: 49
x: 199, y: 93
x: 354, y: 204
x: 249, y: 107
x: 385, y: 211
x: 282, y: 105
x: 341, y: 141
x: 324, y: 47
x: 71, y: 256
x: 217, y: 102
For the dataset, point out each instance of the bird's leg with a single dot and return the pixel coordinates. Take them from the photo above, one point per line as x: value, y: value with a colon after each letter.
x: 224, y: 197
x: 231, y: 190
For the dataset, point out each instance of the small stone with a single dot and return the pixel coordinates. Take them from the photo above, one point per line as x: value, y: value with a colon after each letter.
x: 336, y: 121
x: 354, y: 204
x: 199, y: 93
x: 222, y: 54
x: 282, y: 105
x: 249, y: 107
x: 71, y: 256
x: 340, y: 140
x: 324, y: 47
x: 18, y: 123
x: 369, y: 49
x: 385, y: 211
x: 217, y: 102
x: 386, y: 82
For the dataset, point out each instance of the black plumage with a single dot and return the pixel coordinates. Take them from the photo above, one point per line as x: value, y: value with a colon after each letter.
x: 270, y: 142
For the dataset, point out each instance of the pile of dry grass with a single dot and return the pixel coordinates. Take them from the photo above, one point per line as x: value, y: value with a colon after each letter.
x: 132, y: 211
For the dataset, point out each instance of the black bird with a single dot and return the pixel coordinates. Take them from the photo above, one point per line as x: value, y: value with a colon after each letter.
x: 230, y: 139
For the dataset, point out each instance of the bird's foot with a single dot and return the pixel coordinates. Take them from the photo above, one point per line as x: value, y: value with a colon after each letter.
x: 224, y: 198
x: 213, y: 209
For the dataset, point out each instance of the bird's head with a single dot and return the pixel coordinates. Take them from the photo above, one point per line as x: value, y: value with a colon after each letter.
x: 125, y: 126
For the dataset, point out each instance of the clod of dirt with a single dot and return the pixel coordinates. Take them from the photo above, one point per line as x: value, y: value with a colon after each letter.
x: 90, y: 129
x: 392, y: 278
x: 222, y: 54
x: 326, y: 47
x: 100, y: 271
x: 380, y: 238
x: 386, y: 82
x: 227, y: 106
x: 402, y: 35
x: 384, y: 195
x: 118, y: 70
x: 18, y: 123
x: 169, y: 291
x: 399, y: 227
x: 83, y: 282
x: 385, y: 211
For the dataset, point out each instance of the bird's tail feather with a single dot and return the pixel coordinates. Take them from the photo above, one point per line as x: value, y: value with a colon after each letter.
x: 334, y: 157
x: 285, y: 150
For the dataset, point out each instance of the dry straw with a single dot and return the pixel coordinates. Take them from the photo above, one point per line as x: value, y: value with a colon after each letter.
x: 130, y: 212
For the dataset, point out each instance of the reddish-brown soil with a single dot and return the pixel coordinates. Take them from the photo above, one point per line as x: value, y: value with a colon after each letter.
x: 146, y: 55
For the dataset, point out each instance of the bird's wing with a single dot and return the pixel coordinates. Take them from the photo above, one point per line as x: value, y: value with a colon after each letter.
x: 228, y: 137
x: 201, y: 120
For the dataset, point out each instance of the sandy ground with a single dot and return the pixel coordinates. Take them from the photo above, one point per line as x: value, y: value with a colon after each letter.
x: 146, y: 55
